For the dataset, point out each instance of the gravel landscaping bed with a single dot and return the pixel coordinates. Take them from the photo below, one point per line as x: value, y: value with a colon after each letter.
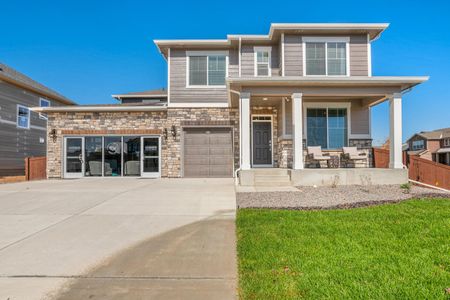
x: 334, y: 197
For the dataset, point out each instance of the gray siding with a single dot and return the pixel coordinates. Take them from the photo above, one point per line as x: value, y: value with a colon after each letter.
x: 293, y: 59
x: 17, y: 143
x: 178, y: 91
x: 248, y: 60
x: 358, y: 55
x: 360, y: 118
x: 233, y: 63
x: 293, y: 55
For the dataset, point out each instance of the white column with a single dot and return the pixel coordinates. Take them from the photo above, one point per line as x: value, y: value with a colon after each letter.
x: 244, y: 122
x: 297, y: 131
x: 395, y: 135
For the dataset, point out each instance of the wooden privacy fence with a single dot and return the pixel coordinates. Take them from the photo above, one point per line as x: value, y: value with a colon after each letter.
x: 35, y: 168
x: 381, y: 158
x: 429, y: 172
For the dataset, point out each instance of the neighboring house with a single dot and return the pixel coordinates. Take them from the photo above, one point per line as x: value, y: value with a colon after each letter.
x: 432, y: 145
x: 239, y: 104
x: 23, y: 133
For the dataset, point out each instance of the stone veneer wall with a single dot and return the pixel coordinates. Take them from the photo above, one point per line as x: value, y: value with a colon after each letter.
x: 100, y: 123
x: 94, y: 122
x: 192, y: 117
x: 285, y: 152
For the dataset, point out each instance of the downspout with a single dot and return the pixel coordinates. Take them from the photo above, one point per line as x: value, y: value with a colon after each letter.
x: 236, y: 181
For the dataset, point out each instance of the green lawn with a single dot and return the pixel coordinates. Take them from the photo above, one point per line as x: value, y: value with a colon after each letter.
x: 395, y: 251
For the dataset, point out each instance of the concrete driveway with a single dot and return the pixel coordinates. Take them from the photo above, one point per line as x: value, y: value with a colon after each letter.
x: 118, y: 238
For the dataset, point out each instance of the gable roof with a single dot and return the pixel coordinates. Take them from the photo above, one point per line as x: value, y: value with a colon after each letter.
x: 435, y: 134
x: 373, y: 30
x: 158, y: 93
x: 12, y: 76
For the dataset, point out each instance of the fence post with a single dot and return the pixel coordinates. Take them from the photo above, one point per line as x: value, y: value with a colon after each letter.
x: 27, y: 168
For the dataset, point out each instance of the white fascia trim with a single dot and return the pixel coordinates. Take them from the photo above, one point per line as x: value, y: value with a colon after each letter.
x: 257, y: 49
x: 198, y: 104
x: 97, y: 108
x: 140, y: 96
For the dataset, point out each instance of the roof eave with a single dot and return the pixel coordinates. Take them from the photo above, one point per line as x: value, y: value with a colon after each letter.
x: 81, y: 108
x: 37, y: 91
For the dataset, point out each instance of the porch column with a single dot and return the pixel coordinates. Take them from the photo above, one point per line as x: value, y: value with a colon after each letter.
x: 297, y: 131
x: 244, y: 123
x: 395, y: 135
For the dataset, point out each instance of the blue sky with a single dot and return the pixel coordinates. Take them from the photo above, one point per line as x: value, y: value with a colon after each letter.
x: 88, y: 50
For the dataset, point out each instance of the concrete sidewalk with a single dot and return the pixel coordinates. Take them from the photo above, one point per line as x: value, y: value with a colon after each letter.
x: 118, y: 238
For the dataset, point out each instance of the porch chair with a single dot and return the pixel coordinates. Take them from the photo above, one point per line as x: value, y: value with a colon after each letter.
x: 315, y: 154
x: 352, y: 155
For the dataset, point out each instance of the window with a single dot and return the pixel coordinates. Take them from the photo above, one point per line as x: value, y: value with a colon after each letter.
x: 447, y: 143
x: 418, y: 145
x: 326, y: 57
x: 23, y: 117
x: 206, y: 70
x: 43, y: 103
x: 327, y: 127
x: 262, y: 61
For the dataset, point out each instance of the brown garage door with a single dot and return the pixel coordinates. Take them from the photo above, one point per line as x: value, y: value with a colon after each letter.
x: 208, y: 152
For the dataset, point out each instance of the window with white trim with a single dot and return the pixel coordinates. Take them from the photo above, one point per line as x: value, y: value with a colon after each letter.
x: 327, y: 127
x: 43, y: 103
x: 418, y: 145
x: 207, y: 70
x: 446, y: 142
x: 262, y: 61
x: 326, y: 58
x: 23, y: 117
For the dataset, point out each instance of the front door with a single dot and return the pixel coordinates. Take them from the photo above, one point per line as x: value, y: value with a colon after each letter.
x: 262, y: 143
x: 151, y: 162
x: 74, y: 157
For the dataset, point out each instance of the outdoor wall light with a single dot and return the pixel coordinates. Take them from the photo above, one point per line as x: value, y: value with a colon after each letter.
x: 173, y: 131
x: 165, y: 134
x: 52, y: 135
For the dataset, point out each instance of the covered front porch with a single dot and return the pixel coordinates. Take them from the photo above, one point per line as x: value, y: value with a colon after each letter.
x: 281, y: 120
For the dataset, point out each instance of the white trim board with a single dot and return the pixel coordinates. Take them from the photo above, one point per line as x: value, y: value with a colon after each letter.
x: 327, y: 105
x: 199, y: 104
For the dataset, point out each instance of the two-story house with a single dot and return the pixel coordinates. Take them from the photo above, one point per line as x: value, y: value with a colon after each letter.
x: 23, y: 133
x: 240, y: 104
x: 432, y: 145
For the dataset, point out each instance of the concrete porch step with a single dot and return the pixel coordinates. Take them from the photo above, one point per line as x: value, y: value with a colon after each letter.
x: 270, y: 171
x: 272, y: 178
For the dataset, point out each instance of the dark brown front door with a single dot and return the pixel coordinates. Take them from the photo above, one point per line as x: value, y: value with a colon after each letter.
x: 262, y: 143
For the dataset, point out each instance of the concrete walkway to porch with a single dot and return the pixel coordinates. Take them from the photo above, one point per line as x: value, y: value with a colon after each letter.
x: 117, y: 238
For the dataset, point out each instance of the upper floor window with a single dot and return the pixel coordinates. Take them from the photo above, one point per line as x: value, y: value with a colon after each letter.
x: 206, y: 69
x: 326, y: 56
x: 23, y: 117
x: 262, y: 61
x: 418, y: 145
x: 43, y: 103
x: 446, y: 142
